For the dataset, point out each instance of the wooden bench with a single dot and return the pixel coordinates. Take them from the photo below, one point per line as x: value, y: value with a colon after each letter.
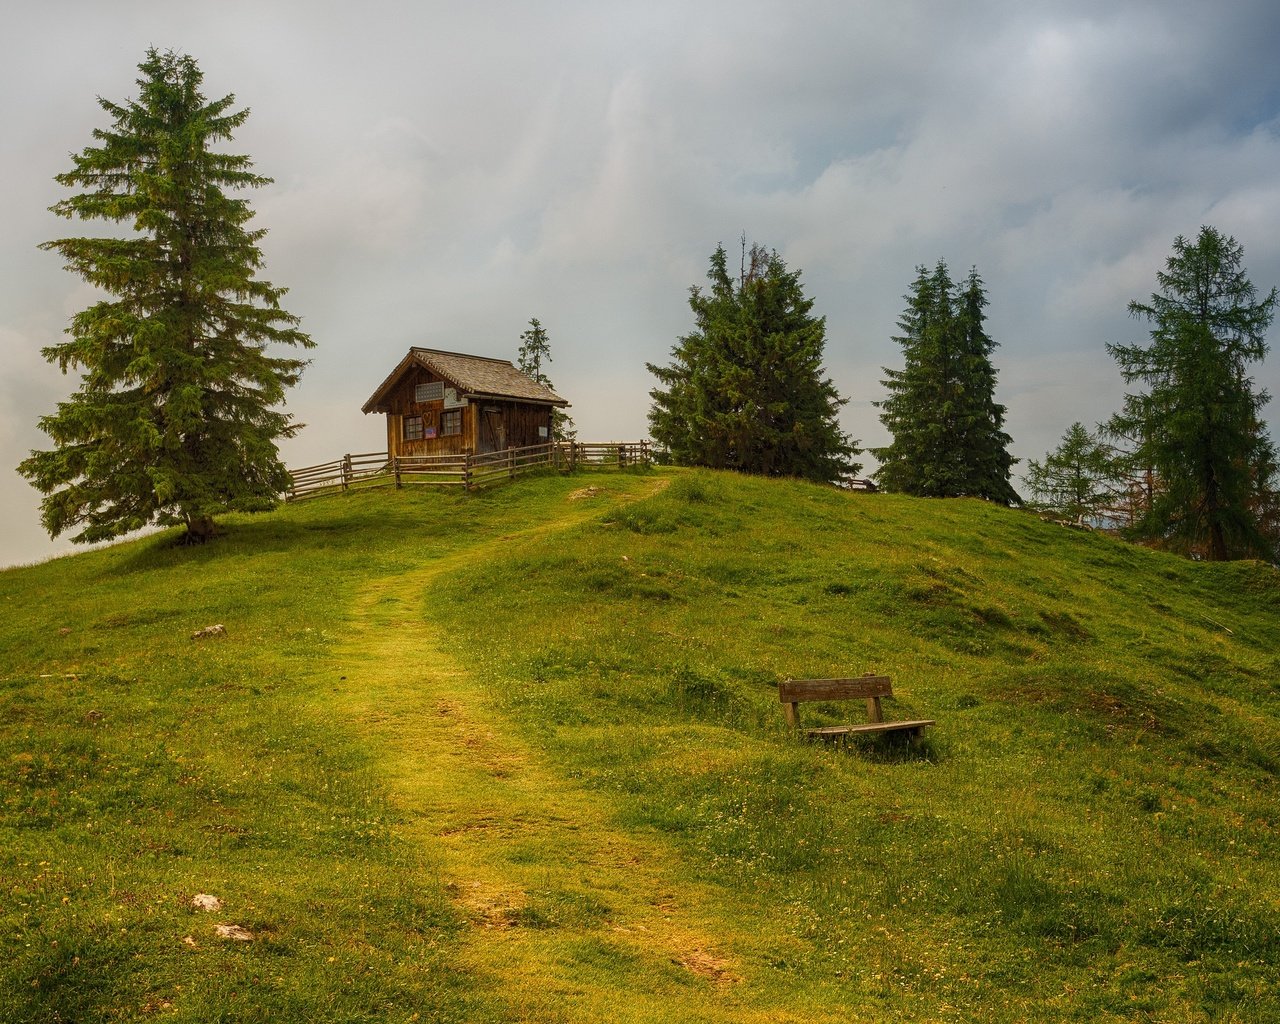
x: 870, y: 687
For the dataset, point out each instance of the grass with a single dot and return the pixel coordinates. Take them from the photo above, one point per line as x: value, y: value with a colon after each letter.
x: 518, y: 755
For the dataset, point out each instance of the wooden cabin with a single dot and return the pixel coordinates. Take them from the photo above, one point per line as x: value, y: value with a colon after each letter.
x: 447, y: 403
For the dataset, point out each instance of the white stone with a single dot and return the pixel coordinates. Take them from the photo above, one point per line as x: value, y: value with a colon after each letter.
x: 233, y: 932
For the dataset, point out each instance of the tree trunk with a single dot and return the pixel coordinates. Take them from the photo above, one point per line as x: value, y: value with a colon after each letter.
x: 1213, y: 512
x: 1217, y: 543
x: 199, y: 529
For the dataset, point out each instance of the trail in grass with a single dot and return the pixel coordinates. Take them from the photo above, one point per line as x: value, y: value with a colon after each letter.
x: 569, y: 917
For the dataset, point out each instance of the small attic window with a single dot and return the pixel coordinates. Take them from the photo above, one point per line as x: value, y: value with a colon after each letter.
x: 432, y: 392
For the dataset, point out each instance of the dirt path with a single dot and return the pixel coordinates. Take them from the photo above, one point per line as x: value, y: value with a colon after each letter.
x: 570, y: 917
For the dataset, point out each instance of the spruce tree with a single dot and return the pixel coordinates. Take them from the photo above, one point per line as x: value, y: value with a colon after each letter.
x: 535, y: 350
x: 984, y: 443
x: 1198, y: 424
x: 175, y: 419
x: 917, y: 411
x: 947, y: 428
x: 745, y: 389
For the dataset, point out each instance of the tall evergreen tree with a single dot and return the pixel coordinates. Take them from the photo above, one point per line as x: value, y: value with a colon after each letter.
x: 948, y: 437
x: 1080, y: 479
x: 175, y: 419
x: 1198, y: 424
x: 745, y: 389
x: 535, y: 352
x: 915, y: 461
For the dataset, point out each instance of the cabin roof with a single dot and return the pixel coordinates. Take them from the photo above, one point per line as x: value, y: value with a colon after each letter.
x: 472, y: 376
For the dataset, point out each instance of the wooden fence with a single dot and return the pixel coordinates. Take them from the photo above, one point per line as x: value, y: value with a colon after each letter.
x: 378, y: 469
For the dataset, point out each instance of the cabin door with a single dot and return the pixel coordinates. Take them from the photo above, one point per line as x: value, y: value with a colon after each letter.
x: 493, y: 431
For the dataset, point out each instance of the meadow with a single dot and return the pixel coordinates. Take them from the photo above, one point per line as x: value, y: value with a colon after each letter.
x: 518, y: 755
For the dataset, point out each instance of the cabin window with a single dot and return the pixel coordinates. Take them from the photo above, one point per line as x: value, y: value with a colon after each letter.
x: 432, y: 392
x: 413, y: 428
x: 450, y: 422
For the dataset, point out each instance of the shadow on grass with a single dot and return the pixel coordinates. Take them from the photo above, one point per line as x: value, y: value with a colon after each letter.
x: 889, y: 748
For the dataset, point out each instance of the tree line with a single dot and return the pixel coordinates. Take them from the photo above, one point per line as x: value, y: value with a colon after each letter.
x: 1187, y: 462
x: 177, y: 419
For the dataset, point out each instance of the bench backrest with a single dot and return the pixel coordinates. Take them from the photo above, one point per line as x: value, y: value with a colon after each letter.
x: 870, y: 687
x: 795, y: 691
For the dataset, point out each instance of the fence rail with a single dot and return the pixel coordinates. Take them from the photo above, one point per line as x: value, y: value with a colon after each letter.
x: 379, y: 469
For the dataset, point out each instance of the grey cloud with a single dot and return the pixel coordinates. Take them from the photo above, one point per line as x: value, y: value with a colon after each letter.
x: 444, y: 172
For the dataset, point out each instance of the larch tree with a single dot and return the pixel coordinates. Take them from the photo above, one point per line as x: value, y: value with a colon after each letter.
x: 1079, y: 480
x: 535, y: 352
x: 746, y: 388
x: 947, y: 428
x: 1196, y: 422
x: 176, y: 418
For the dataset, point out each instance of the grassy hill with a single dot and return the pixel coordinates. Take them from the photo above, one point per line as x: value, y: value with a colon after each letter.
x: 518, y: 755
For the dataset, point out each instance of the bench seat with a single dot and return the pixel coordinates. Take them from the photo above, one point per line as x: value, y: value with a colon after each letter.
x: 842, y: 730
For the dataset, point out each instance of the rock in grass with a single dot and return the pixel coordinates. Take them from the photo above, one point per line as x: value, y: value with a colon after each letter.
x: 204, y: 901
x: 233, y: 932
x: 216, y: 630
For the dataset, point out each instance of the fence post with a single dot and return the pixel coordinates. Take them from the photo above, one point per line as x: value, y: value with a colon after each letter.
x: 346, y: 471
x: 466, y: 471
x: 644, y: 451
x: 395, y: 468
x: 573, y: 456
x: 511, y: 463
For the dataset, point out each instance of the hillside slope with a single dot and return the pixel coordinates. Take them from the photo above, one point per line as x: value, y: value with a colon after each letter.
x: 518, y: 755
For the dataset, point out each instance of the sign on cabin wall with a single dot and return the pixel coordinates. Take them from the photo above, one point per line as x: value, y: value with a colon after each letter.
x: 432, y: 391
x: 452, y: 401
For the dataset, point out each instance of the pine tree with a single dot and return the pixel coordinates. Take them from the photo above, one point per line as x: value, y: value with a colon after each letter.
x: 745, y: 388
x: 175, y: 417
x: 1198, y: 424
x: 535, y: 350
x: 948, y: 437
x: 1079, y: 480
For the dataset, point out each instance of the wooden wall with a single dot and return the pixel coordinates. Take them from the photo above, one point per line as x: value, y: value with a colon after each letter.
x: 401, y: 404
x: 510, y: 424
x: 487, y: 425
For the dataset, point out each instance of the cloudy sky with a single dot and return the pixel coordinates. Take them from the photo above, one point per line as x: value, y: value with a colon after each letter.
x: 445, y: 171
